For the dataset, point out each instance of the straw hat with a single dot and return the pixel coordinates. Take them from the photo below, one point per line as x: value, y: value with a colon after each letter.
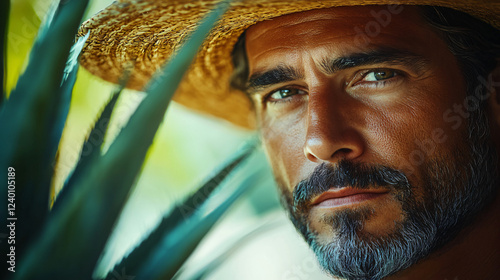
x: 147, y: 32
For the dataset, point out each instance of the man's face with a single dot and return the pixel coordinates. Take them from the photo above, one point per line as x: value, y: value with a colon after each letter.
x: 351, y: 112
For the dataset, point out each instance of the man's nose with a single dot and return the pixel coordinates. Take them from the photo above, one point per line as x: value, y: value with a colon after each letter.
x: 333, y: 128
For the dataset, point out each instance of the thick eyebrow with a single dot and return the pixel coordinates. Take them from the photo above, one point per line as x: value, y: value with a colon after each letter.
x: 284, y: 73
x: 277, y: 75
x: 391, y: 56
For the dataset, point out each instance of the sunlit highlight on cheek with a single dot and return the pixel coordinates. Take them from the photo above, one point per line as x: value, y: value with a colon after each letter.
x: 283, y: 141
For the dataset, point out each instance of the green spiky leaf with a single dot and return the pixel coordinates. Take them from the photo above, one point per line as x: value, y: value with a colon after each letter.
x: 4, y: 26
x: 90, y: 152
x: 29, y: 117
x: 225, y: 253
x: 65, y: 92
x: 178, y: 244
x: 136, y: 258
x: 92, y: 147
x: 92, y: 209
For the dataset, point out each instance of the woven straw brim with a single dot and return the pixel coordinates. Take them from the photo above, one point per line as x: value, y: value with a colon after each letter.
x: 146, y: 33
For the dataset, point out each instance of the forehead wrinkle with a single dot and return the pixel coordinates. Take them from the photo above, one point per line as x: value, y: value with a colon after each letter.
x: 264, y: 53
x: 334, y: 13
x: 258, y: 30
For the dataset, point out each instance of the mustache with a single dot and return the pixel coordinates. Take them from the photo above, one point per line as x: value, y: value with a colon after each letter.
x: 347, y: 174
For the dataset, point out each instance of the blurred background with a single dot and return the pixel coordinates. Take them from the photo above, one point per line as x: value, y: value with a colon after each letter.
x: 254, y: 240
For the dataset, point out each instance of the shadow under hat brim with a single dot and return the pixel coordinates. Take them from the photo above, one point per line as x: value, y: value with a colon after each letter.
x: 144, y: 34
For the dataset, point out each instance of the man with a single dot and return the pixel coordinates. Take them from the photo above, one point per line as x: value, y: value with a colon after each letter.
x: 381, y: 123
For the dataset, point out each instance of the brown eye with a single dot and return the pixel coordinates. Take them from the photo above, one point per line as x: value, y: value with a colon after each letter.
x: 379, y: 75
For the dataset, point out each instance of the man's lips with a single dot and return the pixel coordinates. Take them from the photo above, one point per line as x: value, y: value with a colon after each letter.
x: 346, y: 196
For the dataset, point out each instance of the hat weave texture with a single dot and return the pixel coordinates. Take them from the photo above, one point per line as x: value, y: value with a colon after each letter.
x: 145, y: 33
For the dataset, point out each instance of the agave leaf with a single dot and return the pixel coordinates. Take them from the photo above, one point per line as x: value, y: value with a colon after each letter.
x: 136, y: 258
x: 4, y: 27
x: 225, y: 253
x: 4, y: 22
x: 34, y: 99
x: 92, y: 209
x: 91, y: 150
x: 27, y: 121
x: 179, y: 243
x: 61, y: 115
x: 66, y: 91
x: 92, y: 146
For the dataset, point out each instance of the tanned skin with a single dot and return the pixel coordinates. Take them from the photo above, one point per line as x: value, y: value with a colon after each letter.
x: 372, y: 112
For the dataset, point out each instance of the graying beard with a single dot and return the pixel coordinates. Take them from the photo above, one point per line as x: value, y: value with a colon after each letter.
x: 433, y: 225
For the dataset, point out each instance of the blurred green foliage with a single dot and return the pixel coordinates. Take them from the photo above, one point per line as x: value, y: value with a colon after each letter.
x: 66, y: 242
